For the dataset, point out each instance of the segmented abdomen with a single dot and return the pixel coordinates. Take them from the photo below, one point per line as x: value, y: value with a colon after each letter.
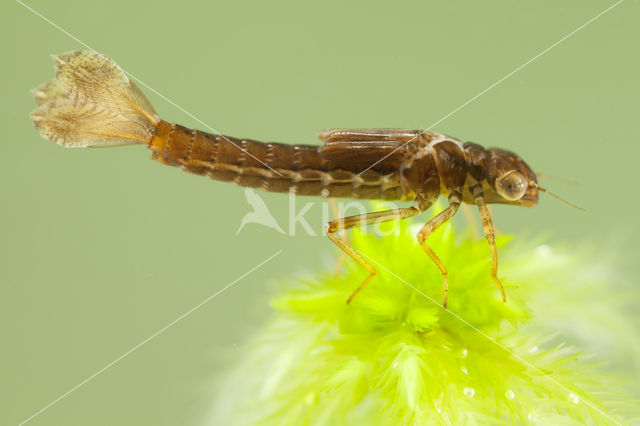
x: 269, y: 166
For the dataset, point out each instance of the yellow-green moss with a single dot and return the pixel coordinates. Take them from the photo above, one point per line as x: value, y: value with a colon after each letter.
x: 395, y: 356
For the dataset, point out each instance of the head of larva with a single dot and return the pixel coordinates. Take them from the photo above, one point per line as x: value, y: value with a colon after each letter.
x: 511, y: 178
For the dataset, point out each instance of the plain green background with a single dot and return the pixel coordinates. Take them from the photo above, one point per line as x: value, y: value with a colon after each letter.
x: 101, y: 248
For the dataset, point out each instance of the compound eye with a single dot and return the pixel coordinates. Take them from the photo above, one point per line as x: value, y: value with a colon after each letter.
x: 511, y: 186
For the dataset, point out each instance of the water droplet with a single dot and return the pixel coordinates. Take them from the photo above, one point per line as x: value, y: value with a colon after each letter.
x: 465, y: 353
x: 534, y: 349
x: 464, y: 370
x: 532, y: 418
x: 510, y: 395
x: 574, y: 398
x: 394, y: 365
x: 469, y: 392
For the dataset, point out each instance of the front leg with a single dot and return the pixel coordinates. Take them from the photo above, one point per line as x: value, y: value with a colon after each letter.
x: 487, y: 225
x: 430, y: 227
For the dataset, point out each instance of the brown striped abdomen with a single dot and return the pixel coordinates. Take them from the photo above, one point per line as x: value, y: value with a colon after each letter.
x: 270, y: 166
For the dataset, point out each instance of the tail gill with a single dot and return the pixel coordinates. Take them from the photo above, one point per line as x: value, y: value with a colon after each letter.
x: 92, y: 103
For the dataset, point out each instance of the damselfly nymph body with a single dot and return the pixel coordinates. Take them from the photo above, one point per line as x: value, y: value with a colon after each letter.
x: 92, y: 103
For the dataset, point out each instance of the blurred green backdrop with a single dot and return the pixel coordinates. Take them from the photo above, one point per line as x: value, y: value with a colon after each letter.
x: 102, y: 248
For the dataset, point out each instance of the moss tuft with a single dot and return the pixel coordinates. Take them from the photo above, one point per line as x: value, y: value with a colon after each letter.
x: 395, y: 356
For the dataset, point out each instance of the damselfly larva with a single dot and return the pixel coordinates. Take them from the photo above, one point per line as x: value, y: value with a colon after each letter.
x: 92, y: 103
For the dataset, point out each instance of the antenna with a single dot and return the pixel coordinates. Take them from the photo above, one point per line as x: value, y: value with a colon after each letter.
x: 559, y: 198
x: 557, y: 179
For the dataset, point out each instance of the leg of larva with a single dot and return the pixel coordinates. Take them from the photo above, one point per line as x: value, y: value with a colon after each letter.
x: 495, y: 228
x: 429, y: 228
x: 343, y: 235
x: 487, y: 225
x: 361, y: 220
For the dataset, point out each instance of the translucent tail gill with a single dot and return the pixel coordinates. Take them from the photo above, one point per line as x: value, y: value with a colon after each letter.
x: 92, y: 103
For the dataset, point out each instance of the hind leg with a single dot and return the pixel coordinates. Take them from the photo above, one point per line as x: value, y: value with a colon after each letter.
x: 343, y: 235
x: 360, y: 220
